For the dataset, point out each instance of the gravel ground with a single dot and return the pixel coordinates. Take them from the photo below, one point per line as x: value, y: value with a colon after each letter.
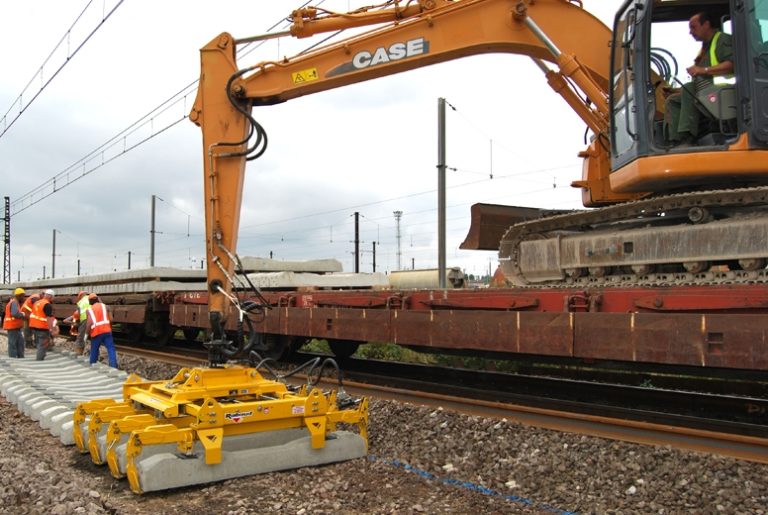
x: 421, y: 461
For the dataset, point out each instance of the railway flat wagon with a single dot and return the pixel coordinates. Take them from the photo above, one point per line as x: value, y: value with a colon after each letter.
x: 719, y: 326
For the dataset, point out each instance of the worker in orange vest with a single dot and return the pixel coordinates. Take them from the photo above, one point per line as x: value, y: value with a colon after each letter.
x: 26, y: 309
x: 72, y: 321
x: 99, y: 329
x: 43, y: 324
x: 13, y: 323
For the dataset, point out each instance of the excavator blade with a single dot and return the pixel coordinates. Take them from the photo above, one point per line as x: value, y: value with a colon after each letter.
x: 491, y: 221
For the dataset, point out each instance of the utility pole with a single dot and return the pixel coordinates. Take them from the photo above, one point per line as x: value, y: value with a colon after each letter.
x: 78, y: 267
x: 398, y: 215
x: 129, y: 260
x: 357, y: 242
x: 7, y: 242
x: 441, y: 191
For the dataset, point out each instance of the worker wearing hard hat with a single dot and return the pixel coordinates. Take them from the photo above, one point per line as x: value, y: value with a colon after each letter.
x: 26, y: 309
x: 13, y: 323
x: 43, y: 324
x: 82, y: 307
x: 99, y: 328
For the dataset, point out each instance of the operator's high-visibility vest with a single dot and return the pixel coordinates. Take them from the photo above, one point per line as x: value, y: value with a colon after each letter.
x: 719, y: 80
x: 10, y: 322
x: 37, y: 319
x: 99, y: 319
x: 83, y: 304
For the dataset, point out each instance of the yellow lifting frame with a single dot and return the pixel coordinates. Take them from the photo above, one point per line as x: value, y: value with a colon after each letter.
x: 79, y: 417
x: 117, y: 430
x: 106, y: 416
x: 206, y: 405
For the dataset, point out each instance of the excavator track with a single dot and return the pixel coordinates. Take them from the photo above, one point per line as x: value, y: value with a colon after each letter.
x: 708, y: 237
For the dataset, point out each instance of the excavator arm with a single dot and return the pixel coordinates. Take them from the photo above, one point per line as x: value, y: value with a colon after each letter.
x: 423, y: 32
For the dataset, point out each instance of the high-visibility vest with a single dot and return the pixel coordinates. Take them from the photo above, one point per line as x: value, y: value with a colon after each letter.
x: 83, y: 304
x: 99, y: 319
x: 27, y: 306
x: 10, y: 322
x: 719, y: 80
x: 37, y: 319
x: 73, y: 327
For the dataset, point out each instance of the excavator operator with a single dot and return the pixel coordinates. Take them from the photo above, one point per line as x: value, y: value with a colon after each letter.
x: 713, y: 63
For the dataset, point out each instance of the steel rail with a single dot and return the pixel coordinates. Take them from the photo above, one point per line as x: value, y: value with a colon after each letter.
x: 749, y: 448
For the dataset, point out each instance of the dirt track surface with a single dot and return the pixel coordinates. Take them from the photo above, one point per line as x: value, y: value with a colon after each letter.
x: 421, y: 461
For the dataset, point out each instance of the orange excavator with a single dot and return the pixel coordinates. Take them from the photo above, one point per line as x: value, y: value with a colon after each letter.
x: 690, y: 214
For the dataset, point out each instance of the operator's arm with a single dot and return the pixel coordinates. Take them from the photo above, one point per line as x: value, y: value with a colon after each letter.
x: 15, y: 311
x: 724, y: 54
x: 722, y: 68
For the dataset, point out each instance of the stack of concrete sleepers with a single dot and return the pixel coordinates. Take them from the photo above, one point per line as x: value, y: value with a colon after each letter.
x: 47, y: 391
x: 160, y: 279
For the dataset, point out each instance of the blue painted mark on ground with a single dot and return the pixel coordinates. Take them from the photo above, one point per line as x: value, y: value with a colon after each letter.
x: 471, y: 486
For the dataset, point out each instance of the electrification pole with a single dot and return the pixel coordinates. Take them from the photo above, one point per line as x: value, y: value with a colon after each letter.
x: 374, y: 256
x: 441, y: 191
x: 398, y: 215
x: 152, y: 238
x: 357, y: 242
x: 7, y: 242
x: 53, y: 256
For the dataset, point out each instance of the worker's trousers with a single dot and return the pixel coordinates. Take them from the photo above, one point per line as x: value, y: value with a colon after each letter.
x: 109, y: 343
x: 80, y: 341
x: 43, y: 342
x: 15, y: 343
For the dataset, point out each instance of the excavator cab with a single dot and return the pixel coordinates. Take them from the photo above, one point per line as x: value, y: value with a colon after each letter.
x: 733, y: 115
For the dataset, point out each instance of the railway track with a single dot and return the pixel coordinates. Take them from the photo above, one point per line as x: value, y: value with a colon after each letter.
x: 731, y: 438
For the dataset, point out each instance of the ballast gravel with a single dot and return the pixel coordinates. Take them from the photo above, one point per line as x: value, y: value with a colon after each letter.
x: 422, y: 461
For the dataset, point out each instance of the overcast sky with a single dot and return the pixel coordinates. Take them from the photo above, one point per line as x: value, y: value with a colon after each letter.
x: 370, y: 147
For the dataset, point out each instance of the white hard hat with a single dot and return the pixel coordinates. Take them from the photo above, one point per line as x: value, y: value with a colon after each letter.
x: 49, y: 292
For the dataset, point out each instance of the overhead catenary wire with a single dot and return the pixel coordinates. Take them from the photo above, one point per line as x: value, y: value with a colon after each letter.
x: 6, y: 124
x: 111, y: 149
x: 84, y: 166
